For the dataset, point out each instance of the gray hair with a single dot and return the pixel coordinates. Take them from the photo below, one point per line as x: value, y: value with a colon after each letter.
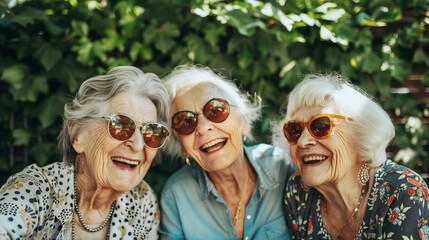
x: 99, y: 89
x: 187, y: 75
x: 370, y: 125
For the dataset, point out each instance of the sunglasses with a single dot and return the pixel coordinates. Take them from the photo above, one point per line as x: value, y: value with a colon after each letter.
x: 216, y: 110
x: 122, y: 128
x: 320, y: 127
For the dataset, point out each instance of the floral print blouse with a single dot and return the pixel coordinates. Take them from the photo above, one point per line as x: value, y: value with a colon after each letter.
x: 37, y: 203
x: 398, y: 207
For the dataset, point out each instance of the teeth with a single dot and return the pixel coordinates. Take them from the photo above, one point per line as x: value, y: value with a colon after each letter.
x: 314, y: 158
x: 125, y: 160
x: 207, y: 145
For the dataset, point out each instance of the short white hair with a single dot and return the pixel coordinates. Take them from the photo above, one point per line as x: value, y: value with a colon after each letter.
x: 371, y: 127
x: 97, y: 90
x: 187, y: 75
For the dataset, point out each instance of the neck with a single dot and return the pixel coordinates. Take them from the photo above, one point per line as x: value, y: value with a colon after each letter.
x: 91, y: 195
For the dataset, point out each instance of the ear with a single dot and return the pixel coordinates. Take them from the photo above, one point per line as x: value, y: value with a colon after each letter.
x: 76, y: 138
x: 245, y: 128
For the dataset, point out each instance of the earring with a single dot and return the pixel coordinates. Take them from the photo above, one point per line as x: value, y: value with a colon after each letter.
x: 244, y: 138
x: 363, y: 174
x: 304, y: 187
x: 188, y: 161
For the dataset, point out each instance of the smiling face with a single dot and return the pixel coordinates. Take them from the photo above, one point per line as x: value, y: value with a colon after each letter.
x: 214, y: 146
x: 119, y: 165
x: 323, y: 161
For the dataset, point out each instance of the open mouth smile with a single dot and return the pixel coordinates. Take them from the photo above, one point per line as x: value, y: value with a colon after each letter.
x: 213, y: 145
x: 125, y: 163
x: 314, y: 159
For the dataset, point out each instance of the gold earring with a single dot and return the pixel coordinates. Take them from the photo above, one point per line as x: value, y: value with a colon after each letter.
x: 188, y: 161
x: 363, y: 174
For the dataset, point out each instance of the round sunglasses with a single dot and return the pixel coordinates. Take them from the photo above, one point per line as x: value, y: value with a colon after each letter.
x: 320, y: 127
x: 216, y: 110
x: 122, y: 128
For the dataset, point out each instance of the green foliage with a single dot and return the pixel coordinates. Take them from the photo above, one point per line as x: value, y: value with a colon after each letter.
x: 49, y: 47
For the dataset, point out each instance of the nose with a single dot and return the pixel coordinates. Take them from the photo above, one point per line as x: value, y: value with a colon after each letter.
x: 203, y: 125
x: 136, y: 142
x: 306, y: 140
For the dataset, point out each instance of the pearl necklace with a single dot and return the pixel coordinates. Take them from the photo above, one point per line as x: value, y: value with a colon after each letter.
x: 82, y: 222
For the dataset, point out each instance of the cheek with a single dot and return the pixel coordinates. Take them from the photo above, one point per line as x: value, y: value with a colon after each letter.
x: 293, y: 153
x: 99, y: 147
x: 186, y: 141
x: 342, y: 158
x: 235, y: 135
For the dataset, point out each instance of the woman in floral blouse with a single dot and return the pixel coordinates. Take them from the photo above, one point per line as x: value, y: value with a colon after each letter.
x: 345, y: 188
x: 109, y: 139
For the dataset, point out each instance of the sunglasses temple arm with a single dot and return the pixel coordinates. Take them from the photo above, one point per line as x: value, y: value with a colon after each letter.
x: 100, y: 116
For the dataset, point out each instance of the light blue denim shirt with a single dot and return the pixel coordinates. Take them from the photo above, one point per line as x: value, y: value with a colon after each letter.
x: 192, y: 208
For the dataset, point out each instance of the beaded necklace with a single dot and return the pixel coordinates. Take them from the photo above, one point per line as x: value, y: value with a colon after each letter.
x: 352, y: 216
x: 82, y: 222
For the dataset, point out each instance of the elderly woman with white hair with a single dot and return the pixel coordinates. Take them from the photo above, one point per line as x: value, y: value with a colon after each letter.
x: 110, y: 136
x: 229, y: 190
x: 345, y: 188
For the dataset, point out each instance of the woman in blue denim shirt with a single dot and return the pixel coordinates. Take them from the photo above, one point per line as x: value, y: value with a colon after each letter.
x: 229, y: 190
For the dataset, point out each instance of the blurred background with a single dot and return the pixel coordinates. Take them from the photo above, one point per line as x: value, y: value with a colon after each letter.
x: 49, y: 47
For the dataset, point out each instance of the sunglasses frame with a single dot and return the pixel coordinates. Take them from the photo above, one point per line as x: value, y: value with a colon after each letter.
x: 331, y: 117
x: 109, y: 118
x: 201, y: 112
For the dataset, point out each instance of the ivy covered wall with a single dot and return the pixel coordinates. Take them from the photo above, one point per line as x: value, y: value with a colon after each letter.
x: 48, y: 47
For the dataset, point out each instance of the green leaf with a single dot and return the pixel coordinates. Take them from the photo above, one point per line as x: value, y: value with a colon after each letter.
x: 245, y: 57
x: 51, y: 111
x: 48, y: 56
x: 135, y: 50
x: 80, y: 28
x: 53, y: 28
x: 426, y: 77
x: 15, y: 75
x: 371, y: 63
x: 21, y: 137
x: 42, y: 152
x: 20, y: 19
x: 147, y: 52
x: 213, y: 33
x: 420, y: 57
x: 400, y: 68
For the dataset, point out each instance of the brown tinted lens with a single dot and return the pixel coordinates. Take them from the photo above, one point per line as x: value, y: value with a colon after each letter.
x: 121, y: 127
x: 216, y: 110
x: 154, y: 135
x: 292, y: 131
x: 184, y: 122
x: 320, y: 127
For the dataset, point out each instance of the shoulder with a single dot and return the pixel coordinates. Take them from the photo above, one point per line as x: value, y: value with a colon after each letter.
x: 34, y: 175
x: 294, y: 185
x: 394, y: 179
x: 270, y: 159
x: 183, y: 177
x: 143, y: 193
x: 265, y: 153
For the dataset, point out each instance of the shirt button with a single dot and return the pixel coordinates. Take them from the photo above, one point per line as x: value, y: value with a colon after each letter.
x: 249, y: 217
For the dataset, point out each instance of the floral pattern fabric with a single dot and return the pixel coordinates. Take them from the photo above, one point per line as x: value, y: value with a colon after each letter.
x: 37, y: 203
x: 397, y: 208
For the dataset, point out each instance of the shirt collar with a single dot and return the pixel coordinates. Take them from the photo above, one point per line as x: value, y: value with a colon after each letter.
x: 266, y: 180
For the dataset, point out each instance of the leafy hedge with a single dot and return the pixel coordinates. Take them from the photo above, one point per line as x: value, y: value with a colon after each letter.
x: 48, y: 47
